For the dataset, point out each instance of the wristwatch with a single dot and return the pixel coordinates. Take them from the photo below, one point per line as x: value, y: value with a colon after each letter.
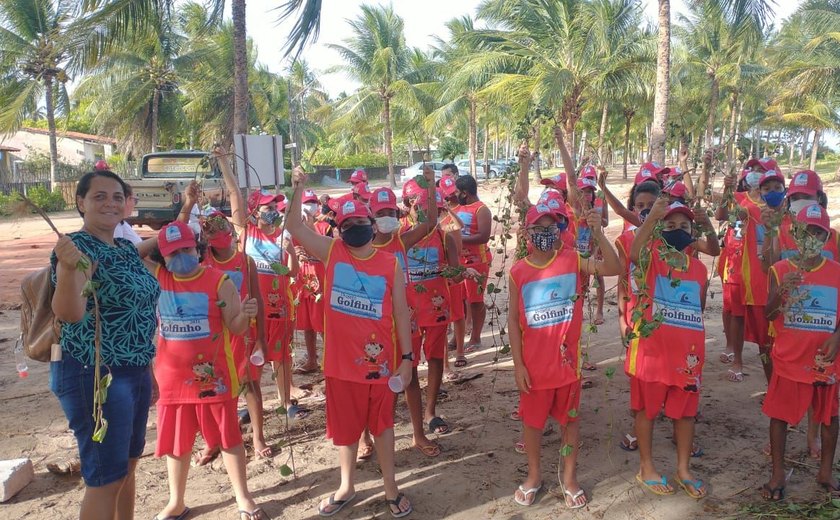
x: 409, y: 356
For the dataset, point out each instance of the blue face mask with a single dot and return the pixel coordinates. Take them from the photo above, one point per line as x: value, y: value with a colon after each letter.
x: 182, y: 263
x: 774, y: 199
x: 679, y: 239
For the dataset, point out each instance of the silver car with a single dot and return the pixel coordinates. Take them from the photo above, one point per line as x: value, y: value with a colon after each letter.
x: 417, y: 169
x: 464, y: 169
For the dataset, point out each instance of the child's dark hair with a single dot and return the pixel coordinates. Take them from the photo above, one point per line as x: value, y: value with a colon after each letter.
x: 83, y: 186
x: 200, y: 247
x: 467, y: 184
x: 644, y: 187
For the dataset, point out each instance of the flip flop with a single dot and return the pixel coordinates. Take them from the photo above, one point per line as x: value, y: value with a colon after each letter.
x: 303, y: 371
x: 567, y: 495
x: 835, y: 491
x: 696, y: 451
x: 182, y: 516
x: 265, y: 453
x: 696, y: 485
x: 295, y: 412
x: 460, y: 362
x: 366, y: 451
x: 65, y: 467
x: 256, y: 514
x: 727, y: 357
x: 587, y: 383
x: 519, y: 446
x: 451, y: 377
x: 648, y: 484
x: 244, y: 416
x: 514, y: 415
x: 525, y: 502
x: 333, y: 502
x: 396, y: 503
x: 430, y: 450
x: 588, y: 366
x: 626, y: 443
x: 735, y: 377
x: 472, y: 347
x: 773, y: 492
x: 438, y: 424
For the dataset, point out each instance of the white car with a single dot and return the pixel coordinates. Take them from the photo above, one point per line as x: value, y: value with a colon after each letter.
x: 464, y: 169
x: 417, y: 169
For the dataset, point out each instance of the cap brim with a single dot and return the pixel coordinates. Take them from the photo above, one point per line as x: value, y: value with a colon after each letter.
x: 684, y: 210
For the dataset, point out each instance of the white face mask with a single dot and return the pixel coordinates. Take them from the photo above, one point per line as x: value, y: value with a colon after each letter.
x: 387, y: 224
x: 752, y: 179
x: 798, y: 205
x: 310, y: 208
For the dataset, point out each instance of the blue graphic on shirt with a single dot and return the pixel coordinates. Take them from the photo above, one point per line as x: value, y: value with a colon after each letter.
x: 184, y: 315
x: 467, y: 219
x: 423, y: 263
x: 680, y: 305
x: 237, y: 277
x: 583, y: 242
x: 760, y: 231
x: 356, y: 293
x: 549, y: 301
x: 790, y: 253
x: 738, y: 230
x: 817, y: 312
x: 264, y: 252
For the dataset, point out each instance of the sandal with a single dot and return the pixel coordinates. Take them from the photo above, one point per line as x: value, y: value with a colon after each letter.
x: 396, y: 503
x: 182, y: 516
x: 735, y: 377
x: 472, y: 347
x: 514, y: 415
x: 727, y: 357
x: 332, y: 502
x: 296, y: 412
x: 525, y: 492
x: 773, y: 494
x: 587, y: 383
x: 697, y: 491
x: 366, y: 451
x: 588, y: 366
x: 519, y: 447
x: 438, y: 426
x: 833, y: 490
x: 648, y: 484
x: 451, y: 377
x: 429, y: 450
x: 460, y: 362
x: 629, y: 443
x: 256, y: 514
x: 265, y: 453
x: 573, y: 497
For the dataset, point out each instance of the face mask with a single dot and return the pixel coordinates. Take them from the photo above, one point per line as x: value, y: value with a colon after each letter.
x: 310, y: 208
x: 270, y: 217
x: 221, y: 240
x: 387, y: 224
x: 752, y: 179
x: 543, y: 241
x: 809, y: 246
x: 643, y: 215
x: 357, y: 236
x: 798, y: 205
x: 182, y: 263
x: 679, y: 239
x: 325, y: 210
x: 774, y: 198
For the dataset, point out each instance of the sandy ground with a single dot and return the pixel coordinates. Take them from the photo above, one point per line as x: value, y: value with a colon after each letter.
x: 477, y: 472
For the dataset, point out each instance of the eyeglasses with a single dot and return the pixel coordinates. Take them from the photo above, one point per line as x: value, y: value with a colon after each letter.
x: 542, y: 229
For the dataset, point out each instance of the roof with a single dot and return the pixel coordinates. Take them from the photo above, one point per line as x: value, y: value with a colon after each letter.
x: 79, y: 136
x: 4, y: 148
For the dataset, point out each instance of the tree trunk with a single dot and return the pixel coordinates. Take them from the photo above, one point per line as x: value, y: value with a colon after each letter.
x: 804, y: 150
x: 240, y: 68
x: 473, y: 124
x: 155, y: 115
x: 736, y: 137
x: 814, y: 149
x: 486, y: 147
x: 791, y: 147
x: 602, y: 131
x: 628, y: 118
x: 48, y: 92
x: 389, y: 152
x: 538, y: 150
x: 714, y: 96
x: 663, y: 84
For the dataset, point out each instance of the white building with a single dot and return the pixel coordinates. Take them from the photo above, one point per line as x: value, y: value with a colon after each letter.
x: 73, y: 147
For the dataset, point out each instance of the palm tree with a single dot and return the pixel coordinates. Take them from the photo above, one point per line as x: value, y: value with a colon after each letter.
x: 659, y: 127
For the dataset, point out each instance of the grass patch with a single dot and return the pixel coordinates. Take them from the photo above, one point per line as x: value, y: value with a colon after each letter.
x: 825, y: 509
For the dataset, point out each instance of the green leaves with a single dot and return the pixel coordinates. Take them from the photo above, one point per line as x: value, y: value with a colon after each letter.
x: 572, y: 413
x: 609, y: 372
x: 221, y: 304
x: 279, y: 269
x: 566, y: 450
x: 99, y: 433
x: 89, y: 288
x: 285, y: 470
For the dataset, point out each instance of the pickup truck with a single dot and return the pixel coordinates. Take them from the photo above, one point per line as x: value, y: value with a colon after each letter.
x: 164, y: 176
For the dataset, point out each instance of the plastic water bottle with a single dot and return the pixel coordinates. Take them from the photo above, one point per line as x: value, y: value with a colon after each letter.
x: 395, y: 383
x: 257, y: 358
x: 20, y: 359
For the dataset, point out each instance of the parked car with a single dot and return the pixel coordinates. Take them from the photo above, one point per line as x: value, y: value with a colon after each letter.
x: 464, y: 169
x: 417, y: 169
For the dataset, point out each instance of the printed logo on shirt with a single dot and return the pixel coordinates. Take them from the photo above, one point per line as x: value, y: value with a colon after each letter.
x: 817, y: 312
x: 264, y: 253
x: 423, y: 263
x: 356, y: 293
x: 680, y: 305
x: 738, y: 230
x: 583, y: 242
x: 467, y: 219
x: 549, y: 302
x: 760, y: 231
x: 183, y: 315
x: 790, y: 253
x: 237, y: 277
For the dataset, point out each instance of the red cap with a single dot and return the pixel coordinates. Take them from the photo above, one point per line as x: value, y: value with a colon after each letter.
x: 679, y: 207
x: 447, y: 186
x: 441, y: 203
x: 766, y: 163
x: 535, y: 213
x: 554, y: 201
x: 174, y: 236
x: 309, y: 196
x: 587, y: 182
x: 589, y: 172
x: 744, y: 174
x: 350, y: 208
x: 335, y: 202
x: 675, y: 189
x: 422, y: 200
x: 814, y: 215
x: 358, y: 176
x: 411, y: 189
x: 558, y: 182
x: 771, y: 175
x: 101, y: 165
x: 361, y: 189
x: 650, y: 172
x: 261, y: 197
x: 674, y: 172
x: 382, y: 198
x: 807, y: 182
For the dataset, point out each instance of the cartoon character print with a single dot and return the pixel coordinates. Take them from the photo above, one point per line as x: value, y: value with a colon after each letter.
x: 375, y: 370
x: 275, y: 310
x: 822, y: 377
x: 208, y: 384
x: 440, y: 308
x: 564, y: 355
x: 412, y: 316
x: 691, y: 371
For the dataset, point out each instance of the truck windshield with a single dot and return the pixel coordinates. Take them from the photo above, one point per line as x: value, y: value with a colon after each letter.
x: 176, y: 166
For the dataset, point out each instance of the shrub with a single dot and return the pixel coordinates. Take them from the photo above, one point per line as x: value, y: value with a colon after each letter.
x: 8, y: 203
x: 48, y: 200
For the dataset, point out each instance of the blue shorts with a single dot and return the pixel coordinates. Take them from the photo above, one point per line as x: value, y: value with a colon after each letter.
x: 126, y: 410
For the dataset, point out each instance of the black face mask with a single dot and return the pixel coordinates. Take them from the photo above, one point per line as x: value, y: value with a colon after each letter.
x: 643, y: 215
x: 357, y: 236
x: 679, y: 239
x: 325, y: 210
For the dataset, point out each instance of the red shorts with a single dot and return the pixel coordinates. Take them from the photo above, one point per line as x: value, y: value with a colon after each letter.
x: 456, y: 302
x: 177, y: 425
x: 756, y: 327
x: 653, y: 397
x: 789, y: 401
x: 278, y: 340
x: 537, y: 405
x: 473, y: 292
x: 432, y: 340
x: 733, y: 301
x: 310, y: 314
x: 351, y: 407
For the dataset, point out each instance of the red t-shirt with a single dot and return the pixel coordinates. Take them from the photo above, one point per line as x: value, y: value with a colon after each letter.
x: 194, y: 361
x: 788, y: 245
x: 426, y: 259
x: 472, y: 254
x: 801, y: 331
x: 753, y: 277
x: 275, y: 289
x: 729, y: 265
x: 550, y: 318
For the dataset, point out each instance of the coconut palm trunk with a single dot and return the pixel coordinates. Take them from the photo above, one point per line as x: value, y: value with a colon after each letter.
x: 663, y: 80
x: 473, y: 137
x: 240, y: 68
x: 815, y: 149
x: 714, y: 96
x: 602, y: 130
x: 155, y: 115
x: 389, y: 152
x: 50, y: 105
x: 628, y: 118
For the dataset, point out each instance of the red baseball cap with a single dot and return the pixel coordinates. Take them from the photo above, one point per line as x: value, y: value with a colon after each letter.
x: 558, y: 182
x: 335, y: 202
x: 422, y: 200
x: 535, y: 213
x: 350, y: 208
x: 587, y: 182
x: 807, y: 182
x: 589, y: 172
x: 174, y: 236
x: 650, y: 172
x: 675, y: 189
x: 446, y: 186
x: 765, y: 163
x: 674, y: 172
x: 309, y: 196
x: 261, y: 197
x: 358, y: 176
x: 411, y: 189
x: 814, y: 215
x: 679, y: 207
x: 383, y: 198
x: 554, y: 201
x: 361, y: 189
x: 771, y: 175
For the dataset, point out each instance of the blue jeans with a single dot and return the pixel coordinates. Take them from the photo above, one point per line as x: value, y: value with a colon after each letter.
x: 126, y: 409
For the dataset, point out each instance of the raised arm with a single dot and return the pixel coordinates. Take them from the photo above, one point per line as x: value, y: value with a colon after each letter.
x: 317, y: 245
x: 613, y: 202
x: 238, y: 215
x: 643, y: 234
x: 609, y: 265
x: 569, y: 166
x: 520, y: 191
x: 686, y: 178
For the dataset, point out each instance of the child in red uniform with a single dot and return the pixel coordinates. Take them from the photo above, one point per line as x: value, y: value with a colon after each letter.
x: 199, y: 309
x: 453, y: 226
x: 803, y: 305
x: 545, y: 317
x: 367, y: 340
x: 667, y: 364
